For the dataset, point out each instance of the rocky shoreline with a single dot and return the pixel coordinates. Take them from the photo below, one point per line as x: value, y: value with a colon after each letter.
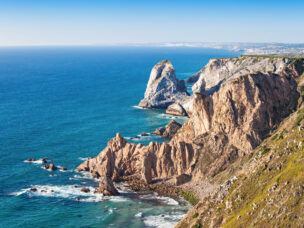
x: 237, y: 103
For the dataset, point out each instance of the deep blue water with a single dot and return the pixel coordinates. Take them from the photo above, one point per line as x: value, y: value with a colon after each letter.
x: 65, y: 104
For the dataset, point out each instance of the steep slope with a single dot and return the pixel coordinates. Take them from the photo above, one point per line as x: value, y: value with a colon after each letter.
x: 264, y: 189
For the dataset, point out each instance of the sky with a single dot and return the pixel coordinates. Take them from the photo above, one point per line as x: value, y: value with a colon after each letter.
x: 112, y: 22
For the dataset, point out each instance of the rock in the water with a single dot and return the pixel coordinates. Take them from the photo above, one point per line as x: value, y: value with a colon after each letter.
x: 31, y: 159
x: 181, y: 179
x: 176, y: 109
x: 171, y: 129
x: 43, y: 160
x: 62, y: 169
x: 163, y: 87
x: 84, y: 189
x: 50, y: 167
x: 33, y: 189
x: 106, y: 187
x: 159, y: 131
x: 144, y: 134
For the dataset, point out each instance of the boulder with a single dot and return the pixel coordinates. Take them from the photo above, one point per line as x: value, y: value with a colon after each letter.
x: 84, y: 189
x: 176, y: 109
x: 171, y: 129
x: 62, y: 169
x: 33, y: 189
x: 163, y: 87
x: 181, y: 179
x: 106, y: 187
x: 159, y: 131
x: 50, y: 167
x: 31, y: 159
x: 144, y: 134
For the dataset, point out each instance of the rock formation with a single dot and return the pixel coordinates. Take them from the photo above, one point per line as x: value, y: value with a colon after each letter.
x: 84, y: 189
x: 106, y: 187
x: 51, y: 167
x: 222, y: 127
x: 171, y: 129
x: 159, y: 131
x: 220, y: 71
x: 176, y: 109
x: 163, y: 87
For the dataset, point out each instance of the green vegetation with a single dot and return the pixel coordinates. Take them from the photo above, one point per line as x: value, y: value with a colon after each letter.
x: 265, y: 151
x: 193, y: 199
x: 195, y: 215
x: 300, y: 117
x: 197, y: 225
x: 270, y: 193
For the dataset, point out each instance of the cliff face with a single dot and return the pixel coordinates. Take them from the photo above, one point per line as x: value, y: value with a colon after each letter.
x: 267, y: 189
x: 222, y: 127
x: 220, y: 71
x: 163, y: 87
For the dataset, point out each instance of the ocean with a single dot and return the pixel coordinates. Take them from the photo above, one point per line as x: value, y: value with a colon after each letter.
x: 65, y: 103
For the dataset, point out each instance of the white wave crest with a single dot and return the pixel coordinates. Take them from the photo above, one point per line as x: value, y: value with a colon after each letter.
x: 62, y: 191
x: 163, y: 221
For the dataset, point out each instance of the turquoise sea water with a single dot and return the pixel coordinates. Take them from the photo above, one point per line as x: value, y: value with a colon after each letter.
x: 65, y: 104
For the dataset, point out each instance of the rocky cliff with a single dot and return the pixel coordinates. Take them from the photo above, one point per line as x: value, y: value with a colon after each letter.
x: 220, y: 71
x: 163, y: 87
x: 263, y: 189
x: 224, y: 128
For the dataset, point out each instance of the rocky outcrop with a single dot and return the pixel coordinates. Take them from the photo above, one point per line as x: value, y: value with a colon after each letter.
x: 222, y: 127
x: 171, y: 129
x: 159, y: 131
x: 156, y: 160
x: 51, y: 167
x: 84, y: 189
x: 106, y: 187
x: 219, y: 72
x: 163, y: 88
x: 176, y: 109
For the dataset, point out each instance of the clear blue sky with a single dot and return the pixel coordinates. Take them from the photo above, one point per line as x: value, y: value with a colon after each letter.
x: 73, y: 22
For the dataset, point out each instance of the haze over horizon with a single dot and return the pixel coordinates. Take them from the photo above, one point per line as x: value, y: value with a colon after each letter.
x: 92, y: 22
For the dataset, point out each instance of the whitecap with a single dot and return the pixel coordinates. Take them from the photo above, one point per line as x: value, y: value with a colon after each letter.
x: 62, y: 191
x: 138, y: 215
x: 135, y: 106
x: 163, y: 199
x: 82, y: 159
x: 117, y: 199
x: 163, y: 221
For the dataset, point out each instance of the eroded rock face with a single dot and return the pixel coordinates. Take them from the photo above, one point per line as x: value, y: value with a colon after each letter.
x: 159, y: 131
x: 106, y: 187
x: 222, y: 127
x: 171, y: 129
x: 163, y: 88
x: 156, y: 160
x: 218, y: 72
x: 176, y: 109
